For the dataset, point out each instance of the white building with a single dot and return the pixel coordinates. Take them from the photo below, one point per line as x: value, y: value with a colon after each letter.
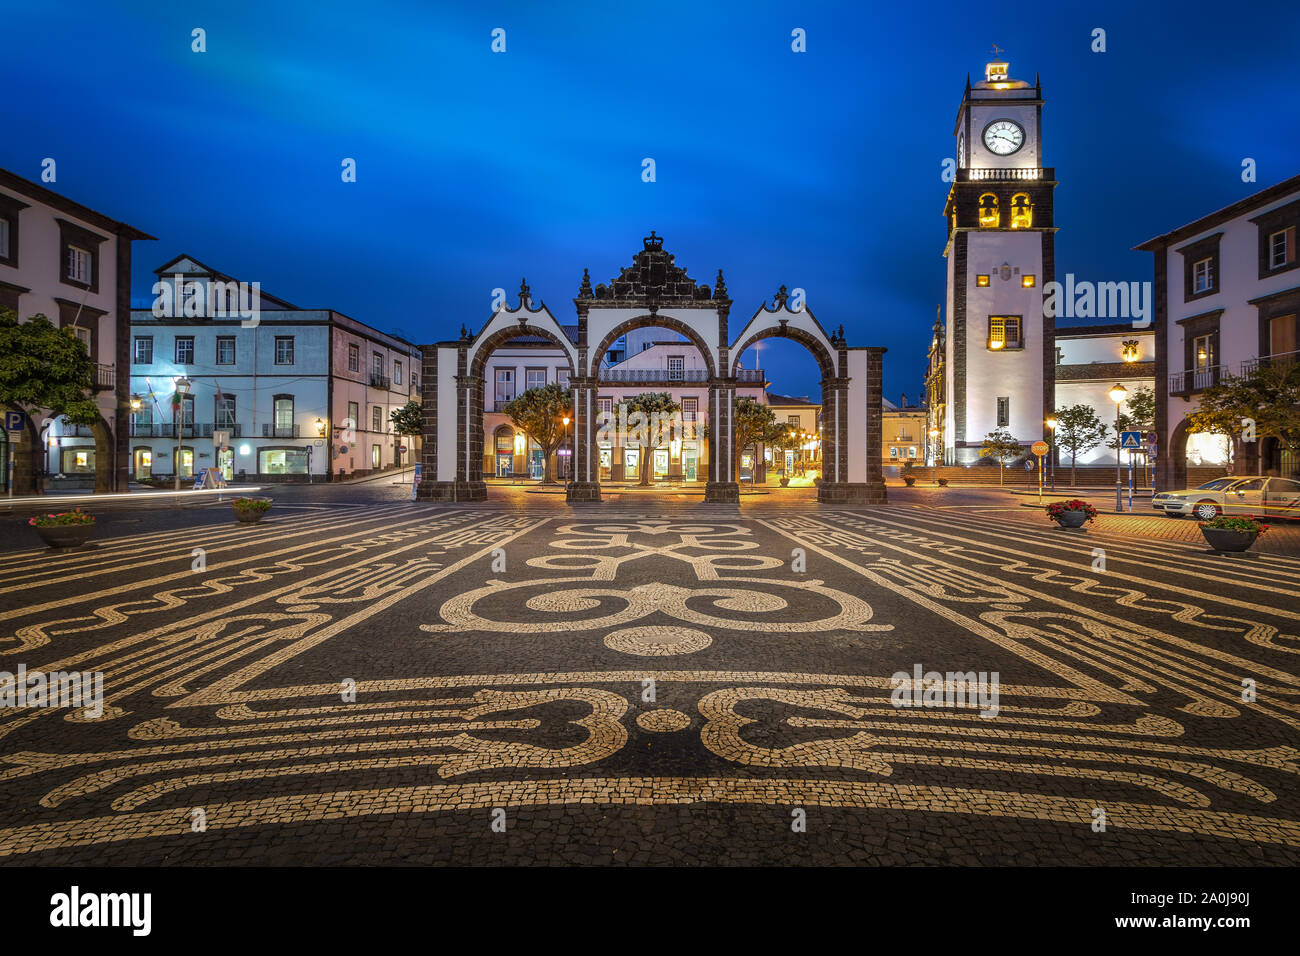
x: 1227, y: 296
x: 73, y: 265
x: 999, y: 351
x: 300, y: 392
x: 1090, y: 361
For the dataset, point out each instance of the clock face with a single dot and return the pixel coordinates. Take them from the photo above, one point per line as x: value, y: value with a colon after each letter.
x: 1003, y: 137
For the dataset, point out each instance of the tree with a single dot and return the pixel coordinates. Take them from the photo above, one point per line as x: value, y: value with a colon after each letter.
x: 1001, y: 445
x: 1263, y: 403
x: 539, y: 414
x: 784, y: 438
x: 408, y: 421
x: 655, y: 413
x: 1078, y: 430
x: 1141, y: 414
x: 45, y: 367
x: 754, y: 423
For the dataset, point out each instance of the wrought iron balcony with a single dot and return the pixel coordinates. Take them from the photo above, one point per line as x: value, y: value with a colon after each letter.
x: 1281, y: 359
x: 105, y: 376
x: 380, y: 380
x: 1194, y: 380
x: 279, y: 431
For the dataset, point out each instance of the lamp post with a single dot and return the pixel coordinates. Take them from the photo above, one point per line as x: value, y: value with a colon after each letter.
x: 568, y: 470
x: 182, y: 389
x: 1117, y: 395
x: 933, y: 435
x: 1051, y: 452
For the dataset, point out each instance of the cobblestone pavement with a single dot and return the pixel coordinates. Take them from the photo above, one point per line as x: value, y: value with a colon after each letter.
x: 366, y: 680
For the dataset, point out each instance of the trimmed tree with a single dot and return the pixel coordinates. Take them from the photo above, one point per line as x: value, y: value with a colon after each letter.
x: 408, y: 422
x: 1001, y: 445
x: 754, y: 423
x: 659, y: 410
x: 539, y: 413
x: 45, y: 367
x: 1265, y: 402
x: 1079, y: 430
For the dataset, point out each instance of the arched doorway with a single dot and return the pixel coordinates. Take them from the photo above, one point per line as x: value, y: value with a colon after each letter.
x: 454, y: 387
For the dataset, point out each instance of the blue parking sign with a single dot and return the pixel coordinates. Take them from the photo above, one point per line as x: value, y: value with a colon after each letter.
x: 14, y: 421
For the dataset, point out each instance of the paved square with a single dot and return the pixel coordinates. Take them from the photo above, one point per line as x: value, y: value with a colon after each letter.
x: 646, y: 684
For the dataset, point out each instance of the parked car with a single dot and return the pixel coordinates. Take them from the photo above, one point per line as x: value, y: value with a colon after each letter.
x: 1258, y: 496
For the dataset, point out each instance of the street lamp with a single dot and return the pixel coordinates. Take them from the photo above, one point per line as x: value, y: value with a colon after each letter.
x: 320, y: 427
x: 933, y: 434
x: 1051, y: 452
x: 1117, y: 395
x: 182, y: 389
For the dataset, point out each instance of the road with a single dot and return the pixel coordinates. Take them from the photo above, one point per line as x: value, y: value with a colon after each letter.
x: 363, y: 679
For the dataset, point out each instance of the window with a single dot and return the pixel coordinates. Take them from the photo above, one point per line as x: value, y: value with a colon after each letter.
x: 988, y: 212
x: 397, y: 372
x: 187, y: 412
x: 1022, y: 211
x: 184, y: 350
x: 1027, y: 280
x: 4, y: 238
x: 354, y: 415
x: 1281, y: 335
x: 605, y: 406
x: 1202, y: 275
x: 142, y: 350
x: 376, y: 419
x: 676, y: 368
x: 1004, y: 411
x: 981, y: 280
x: 893, y: 451
x: 284, y: 350
x: 534, y: 378
x: 78, y: 265
x: 1004, y: 332
x: 415, y: 380
x: 562, y: 377
x: 690, y: 408
x: 505, y: 379
x: 284, y: 416
x: 792, y: 419
x: 377, y: 363
x: 1281, y: 248
x: 225, y: 350
x: 282, y: 461
x: 225, y: 411
x: 84, y: 336
x: 354, y: 359
x: 1203, y: 352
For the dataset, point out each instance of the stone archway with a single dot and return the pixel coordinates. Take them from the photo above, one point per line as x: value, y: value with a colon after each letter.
x: 652, y: 292
x: 851, y: 399
x: 451, y: 390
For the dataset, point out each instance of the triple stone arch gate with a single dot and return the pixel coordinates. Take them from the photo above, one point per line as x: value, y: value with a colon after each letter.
x: 652, y: 292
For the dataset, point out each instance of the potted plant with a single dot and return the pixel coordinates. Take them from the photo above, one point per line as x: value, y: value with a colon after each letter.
x: 1071, y: 514
x: 67, y: 529
x: 943, y: 482
x: 909, y: 479
x: 250, y: 510
x: 1232, y: 534
x: 785, y: 481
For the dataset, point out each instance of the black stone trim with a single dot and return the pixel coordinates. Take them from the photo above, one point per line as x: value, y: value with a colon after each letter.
x: 959, y: 344
x: 71, y: 234
x: 1194, y: 252
x: 1276, y: 220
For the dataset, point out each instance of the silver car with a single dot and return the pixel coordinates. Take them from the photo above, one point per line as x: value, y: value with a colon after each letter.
x: 1260, y: 497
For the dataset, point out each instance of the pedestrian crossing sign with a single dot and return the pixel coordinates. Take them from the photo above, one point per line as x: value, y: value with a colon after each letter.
x: 1131, y: 440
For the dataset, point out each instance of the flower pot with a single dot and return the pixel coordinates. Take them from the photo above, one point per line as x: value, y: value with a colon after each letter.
x: 909, y: 481
x: 943, y: 482
x: 65, y: 535
x: 785, y: 482
x: 248, y: 517
x: 1226, y: 539
x: 1072, y: 519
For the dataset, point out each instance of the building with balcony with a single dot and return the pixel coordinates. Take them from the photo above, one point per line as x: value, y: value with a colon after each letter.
x: 73, y: 265
x: 297, y: 394
x: 1093, y: 359
x: 1227, y: 297
x: 903, y: 432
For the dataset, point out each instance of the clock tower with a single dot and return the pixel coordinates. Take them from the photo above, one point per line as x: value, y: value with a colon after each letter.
x: 1000, y: 347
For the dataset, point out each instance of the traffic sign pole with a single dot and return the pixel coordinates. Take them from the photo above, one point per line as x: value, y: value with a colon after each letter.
x: 1040, y: 448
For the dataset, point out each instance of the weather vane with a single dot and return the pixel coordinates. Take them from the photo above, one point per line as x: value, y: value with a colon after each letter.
x: 996, y: 49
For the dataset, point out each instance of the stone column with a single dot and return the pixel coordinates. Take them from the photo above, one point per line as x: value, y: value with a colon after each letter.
x: 585, y: 485
x: 722, y: 486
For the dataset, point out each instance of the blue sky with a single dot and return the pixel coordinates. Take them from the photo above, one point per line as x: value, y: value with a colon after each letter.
x: 819, y: 170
